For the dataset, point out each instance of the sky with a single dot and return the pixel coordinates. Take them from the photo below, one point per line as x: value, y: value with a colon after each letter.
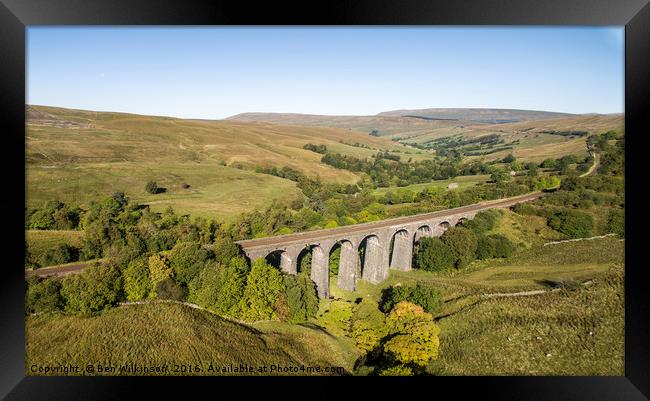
x: 216, y: 72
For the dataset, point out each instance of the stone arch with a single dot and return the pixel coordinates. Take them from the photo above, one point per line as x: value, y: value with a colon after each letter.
x: 401, y: 250
x: 347, y: 264
x: 444, y: 225
x: 274, y: 258
x: 461, y: 221
x: 282, y: 259
x: 374, y: 258
x: 303, y: 260
x: 422, y: 231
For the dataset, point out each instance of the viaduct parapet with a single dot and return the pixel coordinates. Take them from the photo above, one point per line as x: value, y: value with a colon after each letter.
x: 368, y: 250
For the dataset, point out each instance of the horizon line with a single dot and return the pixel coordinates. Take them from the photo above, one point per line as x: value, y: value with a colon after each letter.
x: 324, y: 115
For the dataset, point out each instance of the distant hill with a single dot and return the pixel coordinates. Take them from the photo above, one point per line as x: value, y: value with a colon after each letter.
x: 382, y: 125
x: 527, y: 133
x: 486, y: 116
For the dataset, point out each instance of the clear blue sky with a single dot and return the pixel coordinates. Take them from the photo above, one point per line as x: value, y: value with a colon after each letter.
x: 215, y: 72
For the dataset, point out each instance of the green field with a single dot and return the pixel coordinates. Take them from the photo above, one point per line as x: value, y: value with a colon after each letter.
x: 215, y: 191
x: 169, y: 334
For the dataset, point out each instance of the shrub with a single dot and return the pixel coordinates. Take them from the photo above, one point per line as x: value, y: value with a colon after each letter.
x: 425, y: 296
x: 43, y: 295
x: 573, y: 223
x: 60, y: 254
x: 170, y: 289
x: 434, y: 255
x: 483, y: 221
x: 494, y: 246
x: 187, y: 259
x: 264, y: 285
x: 92, y: 290
x: 136, y: 279
x: 41, y: 219
x: 485, y: 248
x: 616, y: 222
x: 151, y: 187
x: 548, y: 163
x: 503, y: 247
x: 302, y: 298
x: 463, y: 243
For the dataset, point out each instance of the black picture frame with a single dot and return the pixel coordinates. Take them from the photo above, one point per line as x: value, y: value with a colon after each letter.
x: 15, y: 15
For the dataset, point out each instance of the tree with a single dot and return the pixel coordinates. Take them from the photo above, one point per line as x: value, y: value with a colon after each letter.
x: 159, y: 270
x: 509, y: 158
x: 136, y: 279
x: 413, y: 336
x: 425, y: 296
x: 434, y: 255
x: 463, y: 243
x: 92, y: 290
x: 151, y: 187
x: 499, y: 175
x: 187, y: 259
x: 367, y: 325
x: 548, y: 182
x: 60, y: 254
x: 264, y: 286
x: 548, y: 163
x: 43, y: 295
x: 170, y: 289
x: 225, y: 249
x: 532, y: 169
x: 302, y: 298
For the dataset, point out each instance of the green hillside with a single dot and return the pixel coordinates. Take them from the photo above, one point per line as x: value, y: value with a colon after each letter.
x: 169, y: 334
x: 206, y: 167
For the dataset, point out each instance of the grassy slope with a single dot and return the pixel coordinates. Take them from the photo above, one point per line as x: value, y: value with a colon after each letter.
x: 165, y: 334
x: 75, y: 155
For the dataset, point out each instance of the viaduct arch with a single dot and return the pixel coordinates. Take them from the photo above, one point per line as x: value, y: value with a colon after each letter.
x: 387, y: 244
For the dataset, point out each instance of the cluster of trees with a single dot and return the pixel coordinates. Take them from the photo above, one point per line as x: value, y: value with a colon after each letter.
x: 54, y: 215
x: 458, y: 246
x: 166, y: 257
x: 322, y: 149
x: 398, y: 335
x: 384, y: 168
x: 401, y: 343
x: 571, y: 209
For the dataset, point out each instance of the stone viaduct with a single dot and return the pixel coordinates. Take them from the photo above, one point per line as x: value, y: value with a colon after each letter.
x: 386, y: 244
